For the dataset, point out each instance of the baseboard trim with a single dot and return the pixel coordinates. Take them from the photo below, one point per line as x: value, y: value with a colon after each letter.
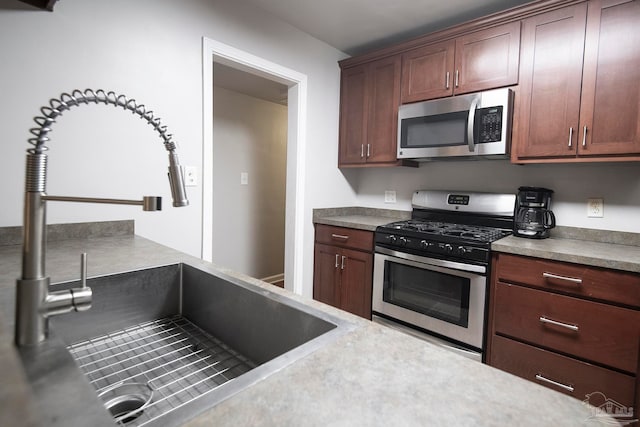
x: 274, y: 279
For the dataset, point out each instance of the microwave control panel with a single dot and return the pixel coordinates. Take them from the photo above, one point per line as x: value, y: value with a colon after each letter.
x: 488, y: 123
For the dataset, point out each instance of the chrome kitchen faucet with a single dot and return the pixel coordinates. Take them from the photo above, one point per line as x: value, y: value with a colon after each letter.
x: 34, y: 303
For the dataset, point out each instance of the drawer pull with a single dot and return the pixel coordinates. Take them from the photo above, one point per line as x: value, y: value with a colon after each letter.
x: 555, y: 383
x: 342, y: 266
x: 563, y: 325
x: 337, y: 258
x: 575, y: 280
x: 339, y: 236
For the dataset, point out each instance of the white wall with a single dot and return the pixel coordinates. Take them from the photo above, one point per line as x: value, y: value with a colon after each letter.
x: 150, y: 50
x: 250, y: 135
x: 617, y: 183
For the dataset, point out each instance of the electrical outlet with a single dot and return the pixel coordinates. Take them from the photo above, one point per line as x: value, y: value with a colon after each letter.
x: 389, y: 196
x: 190, y: 176
x: 595, y: 208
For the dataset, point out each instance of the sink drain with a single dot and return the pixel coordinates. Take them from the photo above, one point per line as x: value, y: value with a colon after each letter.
x: 126, y: 401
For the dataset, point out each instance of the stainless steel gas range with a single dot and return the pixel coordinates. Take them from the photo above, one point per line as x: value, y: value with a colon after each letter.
x: 431, y: 272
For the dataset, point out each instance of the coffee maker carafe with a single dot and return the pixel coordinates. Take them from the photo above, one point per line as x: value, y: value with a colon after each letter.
x: 533, y: 217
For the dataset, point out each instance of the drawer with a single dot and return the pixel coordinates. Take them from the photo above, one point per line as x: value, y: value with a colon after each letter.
x: 574, y: 279
x: 571, y: 377
x: 589, y: 330
x: 344, y: 237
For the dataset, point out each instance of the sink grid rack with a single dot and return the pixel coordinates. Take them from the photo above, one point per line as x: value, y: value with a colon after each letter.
x: 176, y: 359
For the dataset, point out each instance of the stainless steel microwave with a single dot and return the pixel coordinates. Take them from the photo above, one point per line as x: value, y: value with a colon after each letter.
x: 477, y: 124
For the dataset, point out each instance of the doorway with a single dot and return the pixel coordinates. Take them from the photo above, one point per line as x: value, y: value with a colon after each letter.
x: 249, y: 172
x: 296, y: 84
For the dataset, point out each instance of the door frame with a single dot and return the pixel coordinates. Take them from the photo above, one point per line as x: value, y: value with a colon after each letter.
x: 214, y: 51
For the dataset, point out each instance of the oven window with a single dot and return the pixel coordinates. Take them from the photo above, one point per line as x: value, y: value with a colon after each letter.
x: 437, y: 295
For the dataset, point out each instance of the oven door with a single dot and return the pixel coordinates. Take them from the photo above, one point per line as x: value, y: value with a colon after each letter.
x: 436, y: 295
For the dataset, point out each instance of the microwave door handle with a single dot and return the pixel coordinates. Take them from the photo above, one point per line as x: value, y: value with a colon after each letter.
x: 471, y: 124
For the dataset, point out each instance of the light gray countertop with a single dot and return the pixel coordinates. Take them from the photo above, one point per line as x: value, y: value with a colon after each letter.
x: 598, y: 254
x: 356, y: 217
x: 370, y: 376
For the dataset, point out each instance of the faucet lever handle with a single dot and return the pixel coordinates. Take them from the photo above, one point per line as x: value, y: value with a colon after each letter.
x: 74, y: 299
x: 81, y: 297
x: 83, y: 270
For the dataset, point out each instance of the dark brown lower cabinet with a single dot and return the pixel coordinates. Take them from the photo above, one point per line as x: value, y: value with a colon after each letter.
x: 343, y: 276
x: 567, y: 327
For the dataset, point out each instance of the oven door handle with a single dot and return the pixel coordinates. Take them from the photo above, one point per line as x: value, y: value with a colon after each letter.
x: 472, y: 268
x: 451, y: 347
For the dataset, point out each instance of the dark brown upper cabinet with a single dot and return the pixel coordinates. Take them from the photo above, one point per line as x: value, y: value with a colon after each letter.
x: 579, y: 94
x: 574, y: 66
x: 369, y: 100
x: 476, y: 61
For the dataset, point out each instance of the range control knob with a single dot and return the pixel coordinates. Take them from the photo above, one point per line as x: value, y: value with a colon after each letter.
x: 448, y: 248
x: 403, y: 241
x: 392, y: 238
x: 461, y: 250
x: 424, y: 244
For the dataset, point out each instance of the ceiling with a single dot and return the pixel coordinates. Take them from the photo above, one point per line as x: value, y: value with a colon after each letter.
x: 357, y: 26
x: 249, y: 84
x: 354, y: 27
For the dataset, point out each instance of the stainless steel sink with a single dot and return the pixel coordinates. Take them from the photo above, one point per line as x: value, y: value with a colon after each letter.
x: 189, y: 337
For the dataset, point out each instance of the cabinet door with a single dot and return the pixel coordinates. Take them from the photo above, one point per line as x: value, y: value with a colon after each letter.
x: 427, y: 72
x: 550, y: 82
x: 353, y: 115
x: 326, y: 274
x: 384, y: 99
x: 356, y: 282
x: 487, y: 59
x: 610, y: 110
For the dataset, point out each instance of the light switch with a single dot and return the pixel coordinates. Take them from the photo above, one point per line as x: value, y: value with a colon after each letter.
x: 244, y: 178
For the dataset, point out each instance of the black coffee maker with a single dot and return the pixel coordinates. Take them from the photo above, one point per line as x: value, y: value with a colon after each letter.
x: 533, y: 217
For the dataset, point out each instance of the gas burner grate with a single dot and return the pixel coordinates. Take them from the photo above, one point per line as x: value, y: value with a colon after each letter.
x: 470, y: 232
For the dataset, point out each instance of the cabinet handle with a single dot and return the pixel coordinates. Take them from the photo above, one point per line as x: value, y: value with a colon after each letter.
x: 342, y: 265
x: 339, y: 236
x: 368, y: 150
x: 575, y: 280
x: 561, y: 324
x: 570, y: 137
x: 446, y: 80
x: 584, y: 136
x: 337, y: 256
x: 555, y: 383
x: 457, y: 78
x: 361, y: 150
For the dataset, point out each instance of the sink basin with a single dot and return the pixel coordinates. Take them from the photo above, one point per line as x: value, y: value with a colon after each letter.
x: 189, y: 337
